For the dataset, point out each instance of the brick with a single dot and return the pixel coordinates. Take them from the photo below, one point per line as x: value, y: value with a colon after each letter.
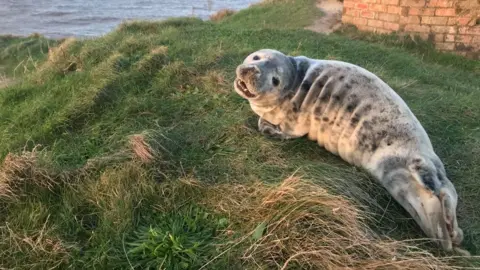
x: 444, y: 29
x: 348, y: 4
x: 392, y: 26
x: 465, y: 20
x: 440, y: 3
x: 347, y: 19
x: 445, y: 12
x: 361, y: 6
x: 464, y: 38
x: 463, y: 47
x: 369, y: 1
x: 434, y: 20
x: 476, y: 40
x: 452, y: 21
x: 417, y: 28
x: 410, y: 19
x: 422, y: 11
x: 462, y: 30
x: 382, y: 31
x: 390, y: 2
x: 367, y: 14
x: 378, y: 7
x: 350, y: 12
x: 475, y: 30
x: 365, y: 28
x: 449, y: 38
x: 394, y: 9
x: 445, y: 46
x: 439, y: 38
x: 412, y: 3
x: 465, y: 30
x: 375, y: 23
x: 359, y: 21
x: 424, y: 36
x: 461, y: 53
x: 389, y: 17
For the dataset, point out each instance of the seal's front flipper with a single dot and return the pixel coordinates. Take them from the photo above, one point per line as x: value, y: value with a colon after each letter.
x: 270, y: 130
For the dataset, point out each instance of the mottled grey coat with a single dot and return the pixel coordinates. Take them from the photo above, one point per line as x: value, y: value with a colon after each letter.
x: 354, y: 114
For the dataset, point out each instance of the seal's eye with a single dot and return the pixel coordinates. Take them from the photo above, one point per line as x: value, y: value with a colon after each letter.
x: 275, y: 81
x: 256, y: 58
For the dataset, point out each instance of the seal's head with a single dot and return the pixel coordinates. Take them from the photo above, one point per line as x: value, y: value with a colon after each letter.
x: 265, y: 75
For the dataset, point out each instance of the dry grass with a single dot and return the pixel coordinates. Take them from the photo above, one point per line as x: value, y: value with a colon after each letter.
x: 141, y: 149
x: 48, y: 249
x: 4, y: 81
x: 221, y: 14
x: 294, y: 224
x: 160, y: 50
x: 59, y: 57
x: 18, y: 171
x: 59, y: 61
x: 307, y: 227
x: 215, y: 80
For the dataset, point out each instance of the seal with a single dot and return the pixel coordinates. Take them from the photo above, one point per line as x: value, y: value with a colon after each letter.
x: 355, y: 115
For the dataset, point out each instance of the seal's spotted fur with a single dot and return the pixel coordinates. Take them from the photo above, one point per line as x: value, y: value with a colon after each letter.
x: 354, y: 114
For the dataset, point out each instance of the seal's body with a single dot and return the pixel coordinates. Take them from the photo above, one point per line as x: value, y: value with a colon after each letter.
x: 357, y: 116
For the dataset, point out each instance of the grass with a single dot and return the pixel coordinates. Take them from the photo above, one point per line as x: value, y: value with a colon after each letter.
x: 132, y: 150
x: 413, y: 44
x: 179, y: 240
x: 22, y: 55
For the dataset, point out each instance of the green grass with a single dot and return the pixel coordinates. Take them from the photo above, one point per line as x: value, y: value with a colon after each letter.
x: 413, y: 44
x: 21, y: 55
x: 83, y: 198
x: 181, y: 240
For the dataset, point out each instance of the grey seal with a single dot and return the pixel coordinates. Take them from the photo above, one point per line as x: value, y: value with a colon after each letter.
x: 354, y: 114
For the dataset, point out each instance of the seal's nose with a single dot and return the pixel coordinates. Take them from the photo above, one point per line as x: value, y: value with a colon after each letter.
x: 247, y: 71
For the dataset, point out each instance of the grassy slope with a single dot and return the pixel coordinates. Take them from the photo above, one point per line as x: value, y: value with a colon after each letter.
x: 170, y: 82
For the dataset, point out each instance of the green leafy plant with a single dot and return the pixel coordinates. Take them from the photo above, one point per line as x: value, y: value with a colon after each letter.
x: 177, y: 240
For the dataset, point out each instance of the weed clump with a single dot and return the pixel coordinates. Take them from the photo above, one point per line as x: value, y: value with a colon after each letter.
x: 182, y: 239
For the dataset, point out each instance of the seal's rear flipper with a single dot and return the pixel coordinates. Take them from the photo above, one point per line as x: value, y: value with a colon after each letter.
x: 421, y: 203
x: 449, y: 205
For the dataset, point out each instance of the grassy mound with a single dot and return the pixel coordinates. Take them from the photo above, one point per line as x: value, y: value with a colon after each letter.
x: 132, y: 151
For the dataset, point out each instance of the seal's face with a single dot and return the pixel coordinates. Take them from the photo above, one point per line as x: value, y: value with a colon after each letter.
x: 263, y: 75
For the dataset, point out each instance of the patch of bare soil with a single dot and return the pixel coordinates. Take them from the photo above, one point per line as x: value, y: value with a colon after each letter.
x: 332, y: 18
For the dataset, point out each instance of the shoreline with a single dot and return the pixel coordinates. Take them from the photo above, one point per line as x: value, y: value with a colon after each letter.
x: 76, y: 27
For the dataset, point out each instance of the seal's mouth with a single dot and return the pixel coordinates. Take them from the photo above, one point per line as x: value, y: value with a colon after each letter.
x: 242, y: 87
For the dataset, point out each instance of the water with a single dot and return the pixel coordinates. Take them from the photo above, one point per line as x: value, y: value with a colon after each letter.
x: 83, y: 18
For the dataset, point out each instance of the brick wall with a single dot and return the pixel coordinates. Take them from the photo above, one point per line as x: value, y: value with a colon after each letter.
x: 453, y: 25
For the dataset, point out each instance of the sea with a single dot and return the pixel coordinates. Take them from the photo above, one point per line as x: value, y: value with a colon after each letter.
x: 91, y: 18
